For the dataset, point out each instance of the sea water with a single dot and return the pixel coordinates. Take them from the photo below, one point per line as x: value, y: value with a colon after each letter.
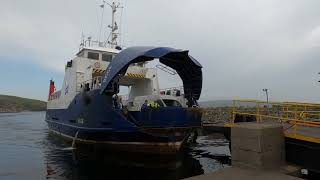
x: 29, y: 151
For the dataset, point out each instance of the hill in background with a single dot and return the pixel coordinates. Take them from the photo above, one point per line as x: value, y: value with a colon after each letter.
x: 18, y: 104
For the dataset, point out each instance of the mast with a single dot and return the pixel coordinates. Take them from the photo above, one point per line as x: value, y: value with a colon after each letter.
x: 114, y: 26
x: 114, y: 34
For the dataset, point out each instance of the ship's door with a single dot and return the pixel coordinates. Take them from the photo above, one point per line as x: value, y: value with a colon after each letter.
x: 80, y: 80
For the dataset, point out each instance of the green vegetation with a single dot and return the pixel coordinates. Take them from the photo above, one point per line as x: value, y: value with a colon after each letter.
x: 18, y: 104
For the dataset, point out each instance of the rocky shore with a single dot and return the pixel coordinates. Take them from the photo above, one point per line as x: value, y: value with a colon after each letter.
x: 16, y: 110
x: 10, y: 110
x: 216, y: 115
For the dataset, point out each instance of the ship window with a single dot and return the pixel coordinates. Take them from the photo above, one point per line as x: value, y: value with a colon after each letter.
x: 171, y: 103
x: 106, y: 57
x: 159, y: 102
x: 92, y: 55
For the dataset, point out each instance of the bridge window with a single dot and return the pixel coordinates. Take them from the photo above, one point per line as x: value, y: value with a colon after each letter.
x: 107, y: 57
x: 93, y: 55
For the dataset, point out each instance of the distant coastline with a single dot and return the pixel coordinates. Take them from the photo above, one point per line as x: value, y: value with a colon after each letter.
x: 215, y: 103
x: 14, y: 104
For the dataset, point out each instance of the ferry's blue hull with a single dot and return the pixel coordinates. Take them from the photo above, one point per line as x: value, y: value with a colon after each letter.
x: 163, y: 130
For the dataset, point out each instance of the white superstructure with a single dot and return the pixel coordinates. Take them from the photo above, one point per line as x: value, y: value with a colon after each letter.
x: 85, y: 71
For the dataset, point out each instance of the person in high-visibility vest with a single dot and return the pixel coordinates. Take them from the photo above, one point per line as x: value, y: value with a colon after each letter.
x: 153, y: 105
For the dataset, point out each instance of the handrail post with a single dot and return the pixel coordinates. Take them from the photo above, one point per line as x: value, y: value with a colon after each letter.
x: 233, y: 110
x: 305, y: 107
x: 283, y: 112
x: 295, y: 111
x: 295, y: 128
x: 287, y: 113
x: 258, y: 112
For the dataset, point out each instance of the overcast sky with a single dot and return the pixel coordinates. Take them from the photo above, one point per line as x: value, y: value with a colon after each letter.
x: 243, y: 45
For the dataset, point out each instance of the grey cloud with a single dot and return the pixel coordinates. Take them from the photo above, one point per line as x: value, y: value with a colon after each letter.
x: 243, y: 45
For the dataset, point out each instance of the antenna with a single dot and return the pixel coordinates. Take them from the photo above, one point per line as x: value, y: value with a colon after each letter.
x: 102, y: 6
x: 82, y: 43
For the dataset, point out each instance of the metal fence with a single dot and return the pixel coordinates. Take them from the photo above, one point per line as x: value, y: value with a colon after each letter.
x: 296, y: 117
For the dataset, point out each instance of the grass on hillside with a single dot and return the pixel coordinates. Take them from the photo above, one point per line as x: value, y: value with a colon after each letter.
x: 21, y: 104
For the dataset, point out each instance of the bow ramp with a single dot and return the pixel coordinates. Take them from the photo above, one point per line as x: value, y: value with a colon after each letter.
x: 188, y: 68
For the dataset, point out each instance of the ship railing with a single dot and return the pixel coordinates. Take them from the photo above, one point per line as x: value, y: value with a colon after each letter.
x: 93, y: 43
x: 94, y: 83
x: 173, y: 91
x: 294, y: 115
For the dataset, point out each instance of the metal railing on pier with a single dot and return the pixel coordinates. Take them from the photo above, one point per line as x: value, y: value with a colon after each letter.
x: 300, y: 120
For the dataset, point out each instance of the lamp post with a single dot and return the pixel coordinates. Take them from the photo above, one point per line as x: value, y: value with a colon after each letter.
x: 266, y: 90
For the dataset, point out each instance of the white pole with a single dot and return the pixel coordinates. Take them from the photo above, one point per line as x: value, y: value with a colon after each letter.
x: 102, y: 6
x: 114, y: 9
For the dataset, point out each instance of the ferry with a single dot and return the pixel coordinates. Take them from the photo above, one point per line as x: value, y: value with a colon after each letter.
x: 89, y: 110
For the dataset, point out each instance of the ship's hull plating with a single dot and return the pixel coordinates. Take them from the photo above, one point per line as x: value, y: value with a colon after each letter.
x: 93, y: 119
x: 143, y: 143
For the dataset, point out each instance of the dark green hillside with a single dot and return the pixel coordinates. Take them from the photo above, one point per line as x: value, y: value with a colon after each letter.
x: 18, y: 104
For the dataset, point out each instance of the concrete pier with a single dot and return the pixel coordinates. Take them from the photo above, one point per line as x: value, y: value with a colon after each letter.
x: 258, y: 146
x: 236, y: 173
x: 258, y: 152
